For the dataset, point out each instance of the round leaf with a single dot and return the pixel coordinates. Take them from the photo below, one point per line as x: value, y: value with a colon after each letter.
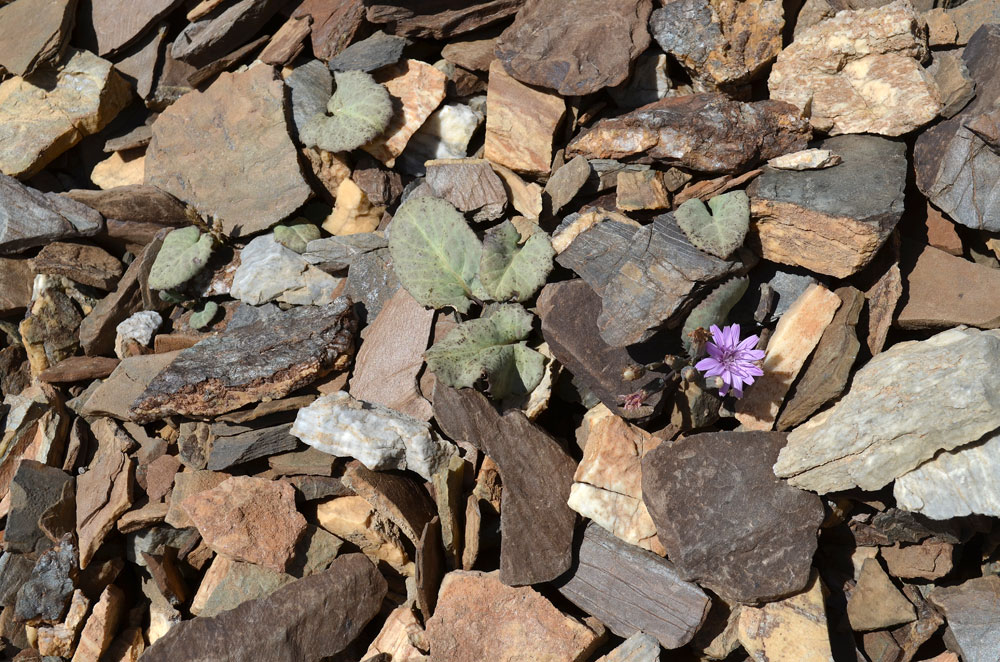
x: 183, y: 254
x: 720, y: 232
x: 512, y: 273
x: 361, y: 110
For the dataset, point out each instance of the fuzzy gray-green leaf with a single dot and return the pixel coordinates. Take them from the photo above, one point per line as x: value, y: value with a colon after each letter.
x: 714, y: 309
x: 723, y: 230
x: 296, y: 236
x: 491, y: 347
x: 360, y: 112
x: 434, y: 253
x: 512, y: 273
x: 183, y: 254
x: 203, y: 317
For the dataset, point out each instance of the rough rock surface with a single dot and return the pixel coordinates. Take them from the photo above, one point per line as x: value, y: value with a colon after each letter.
x: 105, y: 491
x: 269, y: 271
x: 831, y: 221
x: 945, y: 291
x: 35, y: 35
x: 710, y: 133
x: 219, y: 33
x: 417, y: 89
x: 268, y: 358
x: 470, y: 185
x: 705, y: 488
x: 118, y: 23
x: 971, y: 609
x: 792, y: 629
x: 38, y: 492
x: 889, y: 423
x: 82, y: 263
x: 575, y: 48
x: 860, y: 72
x: 224, y: 134
x: 876, y: 603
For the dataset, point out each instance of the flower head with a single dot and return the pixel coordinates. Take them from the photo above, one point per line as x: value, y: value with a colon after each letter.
x: 732, y: 359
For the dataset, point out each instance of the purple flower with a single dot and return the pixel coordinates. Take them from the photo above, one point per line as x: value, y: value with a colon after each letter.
x: 732, y: 359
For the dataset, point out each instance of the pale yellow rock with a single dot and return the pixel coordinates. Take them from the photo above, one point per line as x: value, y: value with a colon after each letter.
x: 394, y: 637
x: 101, y: 625
x: 859, y: 72
x: 941, y: 29
x: 794, y: 339
x: 59, y: 639
x: 330, y: 168
x: 118, y: 170
x: 607, y: 485
x: 859, y: 556
x: 807, y: 159
x: 419, y: 89
x: 353, y: 213
x: 355, y: 520
x: 525, y: 197
x: 43, y: 117
x: 792, y: 629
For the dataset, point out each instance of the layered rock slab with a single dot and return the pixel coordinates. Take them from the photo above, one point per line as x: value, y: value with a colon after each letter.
x: 793, y: 629
x: 30, y: 218
x: 35, y: 34
x: 972, y: 609
x: 945, y: 291
x: 905, y: 405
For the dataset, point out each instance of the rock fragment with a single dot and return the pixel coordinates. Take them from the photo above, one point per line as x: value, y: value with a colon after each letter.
x: 417, y: 89
x: 875, y: 603
x: 38, y: 493
x: 945, y: 291
x: 414, y: 19
x: 269, y: 271
x: 470, y: 185
x: 807, y: 159
x: 792, y: 629
x: 353, y: 213
x: 82, y: 263
x: 954, y: 83
x: 931, y: 559
x: 970, y: 609
x: 101, y: 625
x: 30, y: 218
x: 45, y: 596
x: 36, y: 34
x: 208, y: 39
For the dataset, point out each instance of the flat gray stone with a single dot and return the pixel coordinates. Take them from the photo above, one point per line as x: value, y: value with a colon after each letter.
x: 237, y: 444
x: 38, y: 492
x: 972, y: 610
x: 333, y: 254
x: 219, y: 33
x: 312, y: 86
x: 374, y: 52
x: 46, y: 594
x: 269, y: 271
x: 903, y: 407
x: 30, y: 218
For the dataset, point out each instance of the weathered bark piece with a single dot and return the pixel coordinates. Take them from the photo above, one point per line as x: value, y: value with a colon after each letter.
x: 889, y: 423
x: 224, y: 134
x: 417, y: 89
x: 43, y: 117
x: 971, y: 609
x: 104, y: 492
x: 701, y: 489
x: 883, y: 298
x: 798, y: 332
x: 860, y: 72
x: 401, y: 499
x: 479, y: 618
x: 83, y: 263
x: 391, y: 357
x: 470, y: 185
x: 575, y: 48
x: 646, y: 277
x: 268, y: 358
x: 214, y: 36
x: 825, y: 375
x: 608, y: 481
x: 309, y: 619
x: 35, y: 34
x: 118, y: 23
x: 710, y: 133
x: 30, y: 218
x: 238, y: 444
x: 439, y: 19
x: 831, y: 221
x: 536, y: 524
x: 35, y: 490
x: 875, y: 603
x: 945, y: 291
x: 16, y: 278
x: 718, y: 43
x: 632, y: 590
x: 334, y: 24
x: 520, y: 123
x: 793, y: 629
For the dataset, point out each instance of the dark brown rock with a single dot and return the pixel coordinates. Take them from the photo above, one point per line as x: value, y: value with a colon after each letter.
x: 266, y: 359
x: 646, y: 277
x: 140, y: 63
x: 429, y: 567
x: 83, y: 263
x: 307, y: 620
x: 726, y: 520
x: 38, y: 492
x: 16, y: 278
x: 439, y: 19
x: 35, y: 34
x: 226, y: 62
x: 30, y: 218
x: 310, y: 462
x: 705, y: 132
x: 944, y: 291
x: 470, y: 185
x: 471, y: 54
x: 536, y: 524
x: 287, y: 42
x: 631, y: 590
x: 578, y: 47
x: 335, y: 24
x: 118, y: 23
x: 217, y: 34
x: 79, y: 369
x: 140, y: 203
x: 237, y: 444
x: 205, y: 138
x: 399, y: 498
x: 49, y: 329
x: 971, y: 609
x: 931, y: 559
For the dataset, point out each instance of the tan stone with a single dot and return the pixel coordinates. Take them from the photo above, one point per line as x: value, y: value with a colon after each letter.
x: 127, y: 647
x: 520, y: 124
x: 645, y: 189
x: 101, y: 626
x: 930, y: 559
x: 118, y: 170
x: 42, y: 118
x: 104, y: 491
x: 859, y: 72
x: 394, y: 637
x: 806, y: 159
x: 945, y: 291
x: 330, y: 168
x: 792, y: 629
x: 250, y: 519
x: 525, y: 197
x: 355, y: 520
x: 584, y: 222
x: 353, y: 213
x: 875, y: 603
x: 607, y: 484
x: 941, y: 29
x: 941, y: 232
x: 794, y: 339
x: 189, y: 483
x: 479, y: 618
x: 419, y: 89
x: 59, y: 640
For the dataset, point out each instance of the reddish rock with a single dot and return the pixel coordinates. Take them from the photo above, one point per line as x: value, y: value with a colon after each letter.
x: 945, y: 291
x: 79, y: 369
x: 930, y: 559
x: 35, y: 34
x: 118, y: 23
x: 439, y: 20
x: 941, y: 232
x: 335, y: 24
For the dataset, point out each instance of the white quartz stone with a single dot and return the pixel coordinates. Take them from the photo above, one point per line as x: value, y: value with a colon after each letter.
x: 269, y: 271
x: 140, y: 327
x: 807, y: 159
x: 445, y: 135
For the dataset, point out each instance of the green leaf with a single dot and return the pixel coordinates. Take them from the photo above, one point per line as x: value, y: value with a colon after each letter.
x: 713, y: 310
x: 183, y: 254
x: 296, y: 236
x: 491, y: 347
x: 721, y: 232
x: 361, y: 111
x: 434, y: 253
x: 510, y: 273
x: 203, y: 317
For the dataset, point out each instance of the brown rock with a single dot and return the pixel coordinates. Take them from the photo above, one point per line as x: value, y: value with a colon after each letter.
x: 141, y: 62
x: 43, y: 117
x: 35, y: 34
x: 525, y: 197
x: 136, y: 204
x: 941, y: 29
x: 118, y: 23
x: 415, y: 87
x: 945, y: 291
x: 204, y: 138
x: 429, y: 567
x: 952, y: 78
x: 132, y: 376
x: 706, y: 132
x: 399, y: 498
x: 793, y: 629
x: 79, y: 369
x: 159, y: 476
x: 82, y: 263
x: 104, y: 492
x: 228, y: 584
x: 479, y: 618
x: 335, y: 24
x: 971, y: 609
x: 470, y: 185
x: 60, y: 639
x: 440, y: 19
x: 970, y: 16
x: 386, y: 368
x: 644, y: 189
x: 187, y: 484
x: 520, y: 124
x: 309, y: 619
x: 941, y: 233
x: 249, y: 519
x: 101, y: 625
x: 356, y: 521
x: 566, y: 182
x: 243, y: 365
x: 166, y: 576
x: 883, y: 298
x: 119, y: 170
x: 16, y: 277
x: 137, y: 137
x: 929, y: 560
x: 471, y: 54
x: 287, y: 42
x: 875, y: 603
x: 212, y: 37
x: 798, y: 332
x: 48, y: 329
x: 41, y: 507
x: 576, y: 48
x: 146, y: 517
x: 30, y: 218
x: 536, y: 524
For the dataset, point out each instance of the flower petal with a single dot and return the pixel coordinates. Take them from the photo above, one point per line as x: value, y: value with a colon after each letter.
x: 706, y: 363
x: 717, y: 335
x: 748, y: 343
x: 734, y: 335
x: 713, y: 350
x: 752, y: 354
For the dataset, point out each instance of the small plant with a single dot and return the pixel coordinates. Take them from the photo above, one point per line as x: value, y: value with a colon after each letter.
x: 184, y: 253
x: 734, y: 360
x: 297, y: 235
x: 360, y: 111
x: 203, y: 317
x: 723, y: 230
x: 713, y: 310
